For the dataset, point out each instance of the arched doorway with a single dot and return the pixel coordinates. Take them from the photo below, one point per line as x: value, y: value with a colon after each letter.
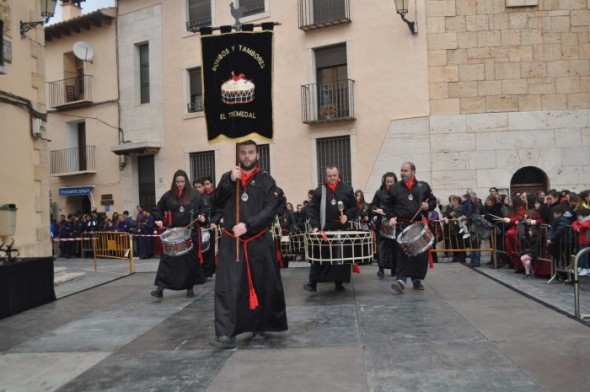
x: 528, y: 179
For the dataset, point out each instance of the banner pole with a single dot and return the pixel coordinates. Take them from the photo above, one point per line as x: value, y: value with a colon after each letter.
x: 237, y: 204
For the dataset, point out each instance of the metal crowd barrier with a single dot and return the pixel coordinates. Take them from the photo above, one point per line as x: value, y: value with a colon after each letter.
x: 577, y: 286
x: 452, y: 240
x: 113, y: 245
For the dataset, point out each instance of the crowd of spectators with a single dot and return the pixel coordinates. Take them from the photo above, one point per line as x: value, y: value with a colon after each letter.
x: 70, y: 231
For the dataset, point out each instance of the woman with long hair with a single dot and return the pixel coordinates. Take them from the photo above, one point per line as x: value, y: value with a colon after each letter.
x: 362, y: 209
x: 178, y: 207
x: 386, y: 246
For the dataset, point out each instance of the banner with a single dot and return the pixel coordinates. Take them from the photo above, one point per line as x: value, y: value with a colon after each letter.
x: 237, y: 85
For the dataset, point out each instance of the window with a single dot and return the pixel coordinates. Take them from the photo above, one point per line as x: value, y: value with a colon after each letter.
x: 328, y: 10
x: 252, y: 7
x: 202, y: 164
x: 332, y: 82
x: 144, y: 72
x: 196, y: 90
x: 199, y: 14
x: 334, y: 151
x: 264, y: 157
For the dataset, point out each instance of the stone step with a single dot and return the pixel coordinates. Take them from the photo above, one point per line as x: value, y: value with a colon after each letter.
x: 59, y: 271
x: 68, y: 277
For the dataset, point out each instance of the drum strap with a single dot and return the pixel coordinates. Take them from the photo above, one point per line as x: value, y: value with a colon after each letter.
x: 323, y: 208
x: 253, y: 296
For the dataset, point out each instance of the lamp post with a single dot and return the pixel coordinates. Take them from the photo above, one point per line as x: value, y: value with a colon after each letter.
x: 402, y: 10
x: 47, y: 8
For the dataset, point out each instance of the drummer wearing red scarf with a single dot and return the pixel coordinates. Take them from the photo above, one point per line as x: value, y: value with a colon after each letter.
x: 409, y: 202
x: 336, y: 191
x: 249, y: 294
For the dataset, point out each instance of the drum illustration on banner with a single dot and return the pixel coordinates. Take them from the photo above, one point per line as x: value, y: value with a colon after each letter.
x: 237, y: 90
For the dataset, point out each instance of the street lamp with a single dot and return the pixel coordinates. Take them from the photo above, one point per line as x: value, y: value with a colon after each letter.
x: 47, y: 8
x: 402, y: 10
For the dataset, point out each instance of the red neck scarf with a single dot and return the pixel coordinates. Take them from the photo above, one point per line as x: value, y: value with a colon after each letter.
x: 210, y: 192
x: 179, y: 193
x: 410, y: 184
x: 247, y: 177
x: 360, y: 205
x: 333, y: 186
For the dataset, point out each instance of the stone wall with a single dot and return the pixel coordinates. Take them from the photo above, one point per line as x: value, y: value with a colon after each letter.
x: 487, y: 57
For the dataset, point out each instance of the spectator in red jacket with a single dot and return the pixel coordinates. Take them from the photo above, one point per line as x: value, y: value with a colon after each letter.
x: 581, y: 226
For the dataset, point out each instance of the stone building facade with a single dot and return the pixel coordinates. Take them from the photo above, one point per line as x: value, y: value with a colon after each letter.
x: 509, y: 88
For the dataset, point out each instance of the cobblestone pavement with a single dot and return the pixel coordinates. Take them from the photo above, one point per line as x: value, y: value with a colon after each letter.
x: 467, y: 331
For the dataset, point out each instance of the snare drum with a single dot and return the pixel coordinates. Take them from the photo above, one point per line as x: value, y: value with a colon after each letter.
x: 176, y: 241
x: 205, y: 240
x: 415, y: 239
x: 341, y: 247
x: 386, y: 230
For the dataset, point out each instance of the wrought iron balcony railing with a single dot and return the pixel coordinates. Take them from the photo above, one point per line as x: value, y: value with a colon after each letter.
x: 328, y: 102
x: 314, y: 14
x: 195, y: 105
x: 73, y: 91
x: 71, y: 161
x: 195, y: 24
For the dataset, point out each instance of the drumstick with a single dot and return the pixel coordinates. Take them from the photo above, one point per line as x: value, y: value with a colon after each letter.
x: 495, y: 216
x: 416, y: 214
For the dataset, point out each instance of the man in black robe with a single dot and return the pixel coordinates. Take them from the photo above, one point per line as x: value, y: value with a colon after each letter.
x: 335, y: 218
x: 409, y: 201
x: 249, y: 294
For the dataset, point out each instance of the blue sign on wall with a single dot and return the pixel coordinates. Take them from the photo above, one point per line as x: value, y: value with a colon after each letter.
x: 75, y: 190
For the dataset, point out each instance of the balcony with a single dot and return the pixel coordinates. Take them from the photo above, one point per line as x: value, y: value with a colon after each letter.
x: 73, y: 161
x: 315, y: 14
x: 328, y: 102
x: 70, y: 92
x: 194, y: 25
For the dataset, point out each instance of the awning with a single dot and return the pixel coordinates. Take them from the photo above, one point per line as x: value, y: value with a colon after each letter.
x: 137, y: 148
x: 82, y: 190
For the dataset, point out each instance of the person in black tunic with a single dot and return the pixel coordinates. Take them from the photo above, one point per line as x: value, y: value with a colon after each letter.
x: 387, y: 248
x: 335, y: 191
x: 406, y: 199
x: 175, y: 209
x: 209, y: 256
x: 249, y: 294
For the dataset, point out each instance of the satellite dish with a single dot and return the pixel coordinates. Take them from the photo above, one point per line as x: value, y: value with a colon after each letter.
x: 83, y: 51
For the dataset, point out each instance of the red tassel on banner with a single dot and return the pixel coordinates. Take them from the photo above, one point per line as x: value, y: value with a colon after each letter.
x: 355, y: 268
x: 324, y: 236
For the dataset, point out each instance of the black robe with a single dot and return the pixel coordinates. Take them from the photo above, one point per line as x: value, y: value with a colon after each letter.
x: 209, y: 255
x: 184, y: 271
x: 326, y: 272
x: 233, y: 313
x: 404, y: 208
x: 387, y: 248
